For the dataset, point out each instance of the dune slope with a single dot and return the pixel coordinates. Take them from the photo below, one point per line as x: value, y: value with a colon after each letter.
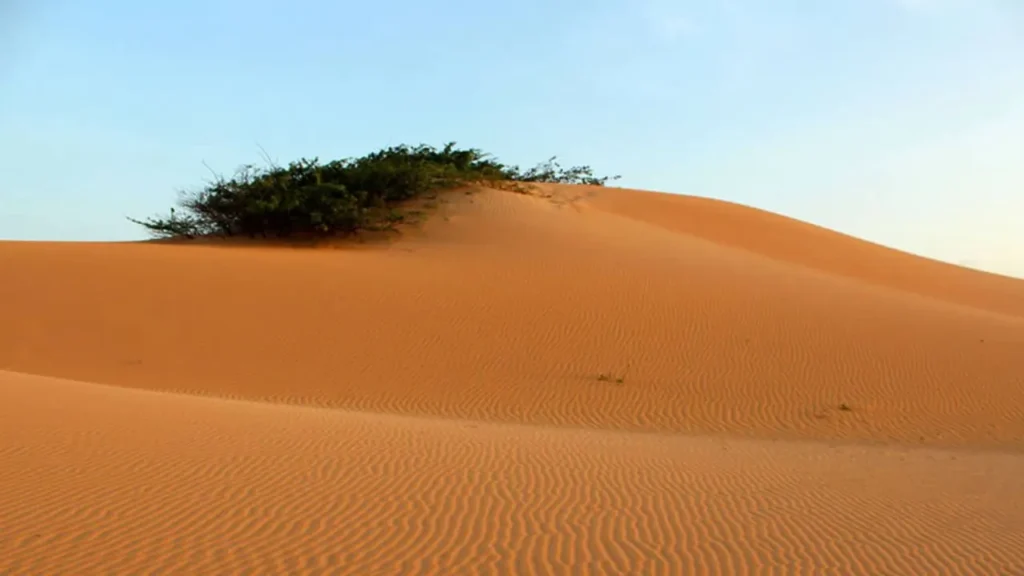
x: 510, y: 307
x: 100, y: 480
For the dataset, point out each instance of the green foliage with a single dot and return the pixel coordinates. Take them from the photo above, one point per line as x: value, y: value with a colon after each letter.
x: 342, y: 197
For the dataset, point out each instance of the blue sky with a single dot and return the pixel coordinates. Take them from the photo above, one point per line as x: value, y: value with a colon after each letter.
x: 899, y: 121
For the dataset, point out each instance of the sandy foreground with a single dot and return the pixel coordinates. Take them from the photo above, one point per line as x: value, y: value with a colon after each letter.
x: 583, y: 381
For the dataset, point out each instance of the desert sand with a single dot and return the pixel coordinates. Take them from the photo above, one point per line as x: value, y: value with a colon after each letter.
x: 578, y: 381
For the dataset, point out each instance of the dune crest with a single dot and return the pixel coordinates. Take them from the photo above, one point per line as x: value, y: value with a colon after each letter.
x: 805, y: 244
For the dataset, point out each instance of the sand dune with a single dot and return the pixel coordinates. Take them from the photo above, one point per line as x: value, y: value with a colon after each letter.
x: 603, y: 379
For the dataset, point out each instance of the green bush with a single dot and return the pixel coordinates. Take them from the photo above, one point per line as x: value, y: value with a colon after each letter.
x: 342, y: 197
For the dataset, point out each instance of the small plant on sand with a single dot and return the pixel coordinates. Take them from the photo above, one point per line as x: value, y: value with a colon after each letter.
x: 618, y: 378
x: 313, y: 199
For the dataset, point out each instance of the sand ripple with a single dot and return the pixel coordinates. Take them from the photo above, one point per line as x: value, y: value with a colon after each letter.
x: 98, y: 480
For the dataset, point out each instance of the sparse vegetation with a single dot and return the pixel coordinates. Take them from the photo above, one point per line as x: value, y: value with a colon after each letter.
x: 606, y: 377
x: 616, y: 377
x: 342, y: 197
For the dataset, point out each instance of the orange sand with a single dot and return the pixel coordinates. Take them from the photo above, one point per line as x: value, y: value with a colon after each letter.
x: 436, y: 405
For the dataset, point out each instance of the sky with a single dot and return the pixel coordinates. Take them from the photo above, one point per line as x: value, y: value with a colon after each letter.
x: 897, y: 121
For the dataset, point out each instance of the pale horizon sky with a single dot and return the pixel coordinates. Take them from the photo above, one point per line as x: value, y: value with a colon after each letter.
x: 897, y: 121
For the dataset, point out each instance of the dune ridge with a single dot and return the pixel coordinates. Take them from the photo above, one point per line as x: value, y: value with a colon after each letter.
x: 818, y: 248
x: 579, y: 380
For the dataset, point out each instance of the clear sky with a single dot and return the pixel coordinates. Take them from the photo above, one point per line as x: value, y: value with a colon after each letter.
x: 899, y: 121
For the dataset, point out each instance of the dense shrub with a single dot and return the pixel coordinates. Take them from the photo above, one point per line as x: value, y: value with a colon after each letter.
x: 338, y: 198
